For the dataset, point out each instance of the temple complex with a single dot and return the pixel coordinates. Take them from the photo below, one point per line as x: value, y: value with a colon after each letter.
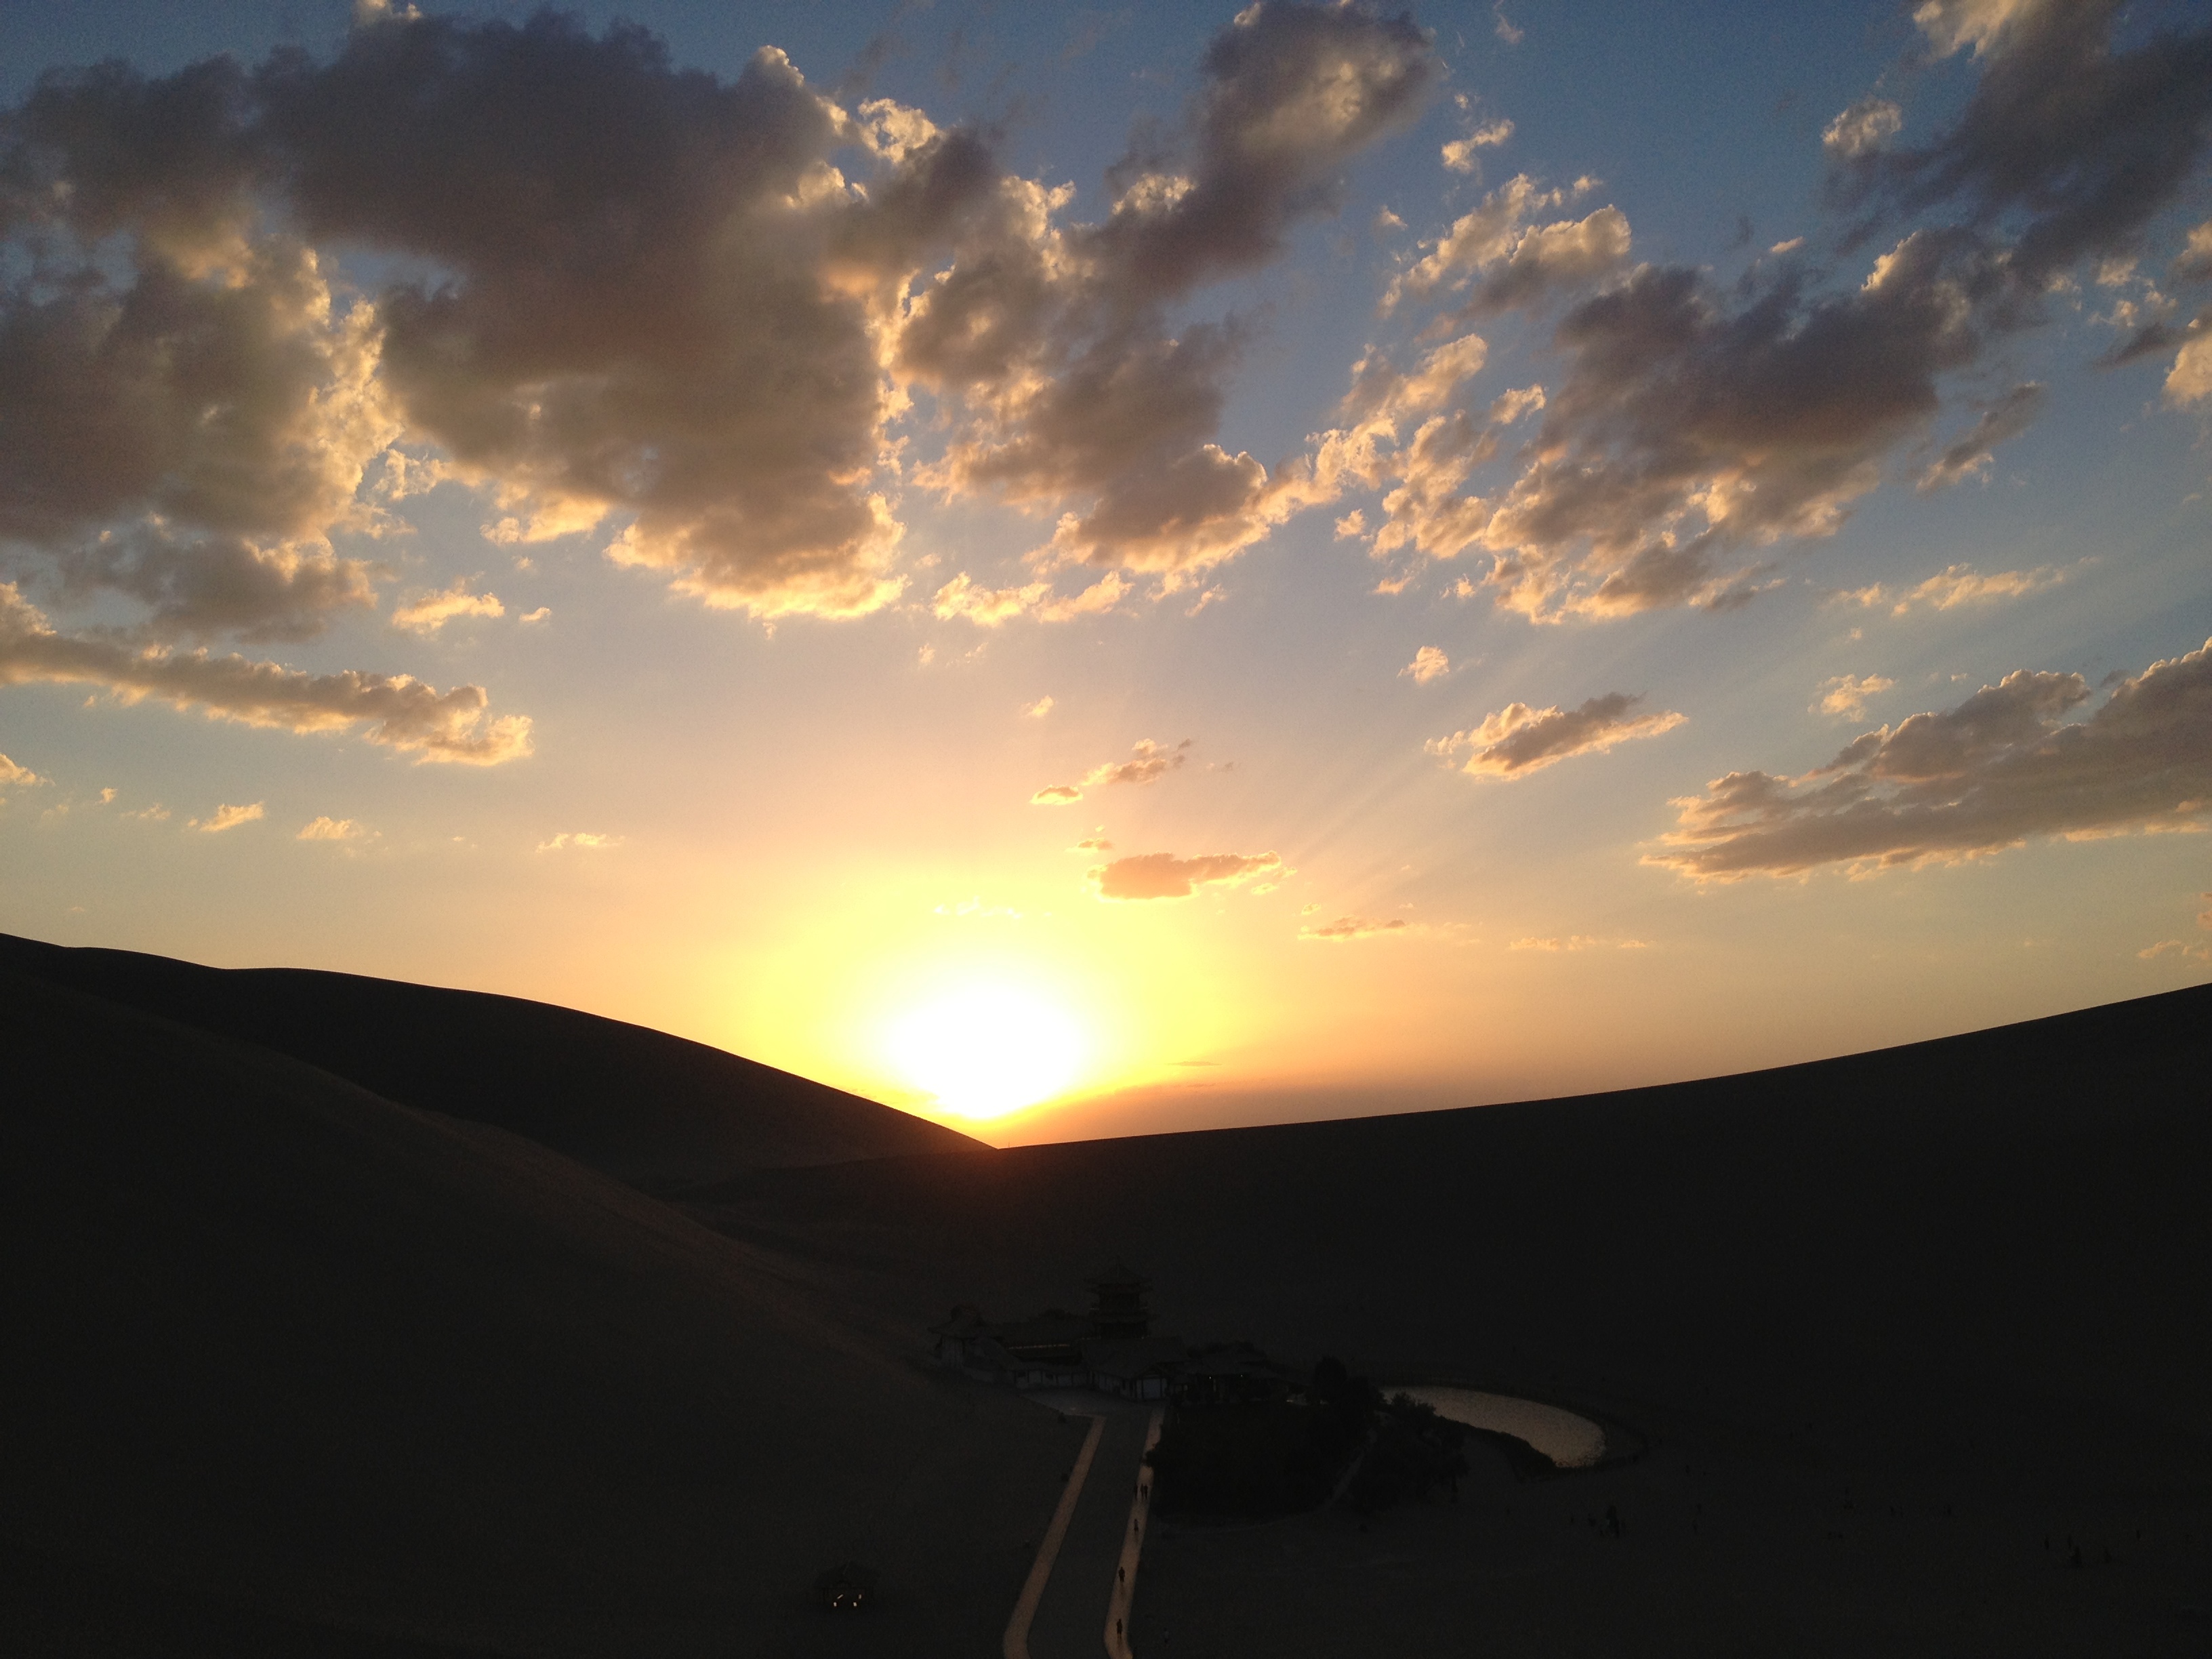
x: 1111, y: 1348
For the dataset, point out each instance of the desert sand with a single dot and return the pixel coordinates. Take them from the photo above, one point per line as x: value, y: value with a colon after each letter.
x: 359, y: 1322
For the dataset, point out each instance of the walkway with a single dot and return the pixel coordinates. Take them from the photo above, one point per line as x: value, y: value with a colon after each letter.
x: 1086, y: 1570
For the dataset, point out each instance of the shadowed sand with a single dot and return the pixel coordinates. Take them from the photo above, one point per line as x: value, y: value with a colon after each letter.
x: 650, y: 1108
x: 283, y: 1351
x: 275, y: 1342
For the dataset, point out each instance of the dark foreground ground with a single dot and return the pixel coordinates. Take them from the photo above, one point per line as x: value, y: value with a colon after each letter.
x: 349, y: 1373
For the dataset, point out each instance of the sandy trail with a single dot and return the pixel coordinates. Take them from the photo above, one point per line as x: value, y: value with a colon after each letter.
x: 1132, y: 1545
x: 1017, y: 1644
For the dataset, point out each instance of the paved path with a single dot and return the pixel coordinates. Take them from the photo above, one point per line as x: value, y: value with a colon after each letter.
x: 1017, y: 1644
x: 1079, y: 1591
x: 1133, y: 1546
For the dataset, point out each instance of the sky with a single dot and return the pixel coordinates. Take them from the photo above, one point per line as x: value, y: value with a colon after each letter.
x: 1093, y: 571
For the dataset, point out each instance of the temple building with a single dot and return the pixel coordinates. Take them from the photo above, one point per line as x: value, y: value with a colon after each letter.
x: 1109, y: 1349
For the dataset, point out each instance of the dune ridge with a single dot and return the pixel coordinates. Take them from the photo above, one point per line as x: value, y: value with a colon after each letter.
x: 653, y: 1110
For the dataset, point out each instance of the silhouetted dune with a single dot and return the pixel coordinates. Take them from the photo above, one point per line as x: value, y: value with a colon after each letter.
x: 321, y: 1373
x: 1899, y: 1248
x: 651, y: 1108
x: 275, y: 1342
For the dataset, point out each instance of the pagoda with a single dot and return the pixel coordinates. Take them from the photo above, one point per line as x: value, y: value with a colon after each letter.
x: 1117, y: 1301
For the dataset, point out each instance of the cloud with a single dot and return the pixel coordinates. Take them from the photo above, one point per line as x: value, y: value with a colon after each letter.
x: 2006, y: 418
x: 18, y: 777
x: 1163, y: 875
x: 1577, y: 942
x: 1518, y: 263
x: 582, y: 840
x: 1696, y: 425
x: 1459, y: 153
x: 1150, y: 761
x: 1429, y: 663
x: 1344, y: 928
x: 1847, y: 694
x: 1957, y: 585
x: 229, y: 817
x: 185, y: 414
x: 1517, y: 739
x: 2190, y: 953
x: 1094, y: 844
x: 2005, y: 765
x: 207, y: 584
x: 1691, y: 425
x: 624, y: 295
x: 1037, y: 710
x: 988, y: 607
x: 2074, y: 143
x: 2189, y: 380
x: 1071, y: 391
x: 330, y: 829
x: 1866, y: 126
x: 399, y: 712
x: 426, y: 613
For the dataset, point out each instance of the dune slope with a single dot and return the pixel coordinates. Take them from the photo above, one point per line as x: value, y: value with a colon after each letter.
x: 651, y: 1108
x: 277, y: 1343
x: 1892, y: 1247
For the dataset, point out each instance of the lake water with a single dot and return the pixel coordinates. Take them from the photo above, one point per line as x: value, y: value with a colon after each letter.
x: 1570, y: 1441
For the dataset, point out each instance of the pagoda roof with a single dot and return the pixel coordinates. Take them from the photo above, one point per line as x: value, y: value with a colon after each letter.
x: 1119, y: 1274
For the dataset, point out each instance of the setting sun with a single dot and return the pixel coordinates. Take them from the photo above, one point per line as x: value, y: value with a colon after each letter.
x: 984, y: 1051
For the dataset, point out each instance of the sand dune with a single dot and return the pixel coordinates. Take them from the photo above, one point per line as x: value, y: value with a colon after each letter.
x: 649, y: 1108
x: 283, y: 1352
x: 275, y: 1342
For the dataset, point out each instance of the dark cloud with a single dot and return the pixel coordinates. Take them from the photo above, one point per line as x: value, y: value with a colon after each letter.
x: 2003, y: 766
x: 1073, y: 390
x: 1293, y: 92
x: 398, y: 711
x: 2008, y: 417
x: 201, y: 586
x: 1501, y: 261
x: 1688, y: 427
x: 189, y: 439
x: 657, y: 292
x: 626, y: 291
x: 1695, y: 425
x: 2068, y: 147
x: 1517, y: 739
x: 1163, y: 875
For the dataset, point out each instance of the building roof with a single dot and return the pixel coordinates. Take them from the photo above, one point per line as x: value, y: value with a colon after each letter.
x: 1129, y: 1356
x: 1118, y: 1275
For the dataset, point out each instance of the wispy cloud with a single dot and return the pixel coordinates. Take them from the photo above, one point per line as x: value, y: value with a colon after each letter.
x: 426, y: 613
x: 1163, y: 875
x: 1848, y: 694
x: 1429, y: 663
x: 2003, y: 766
x: 1346, y: 928
x: 581, y: 841
x: 1149, y: 763
x: 229, y: 817
x: 1518, y: 740
x: 398, y: 711
x: 18, y: 777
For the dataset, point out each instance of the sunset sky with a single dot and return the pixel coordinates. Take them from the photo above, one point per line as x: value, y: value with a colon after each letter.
x: 1126, y: 567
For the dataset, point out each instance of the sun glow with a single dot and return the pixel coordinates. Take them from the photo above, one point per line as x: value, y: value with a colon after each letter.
x: 987, y: 1050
